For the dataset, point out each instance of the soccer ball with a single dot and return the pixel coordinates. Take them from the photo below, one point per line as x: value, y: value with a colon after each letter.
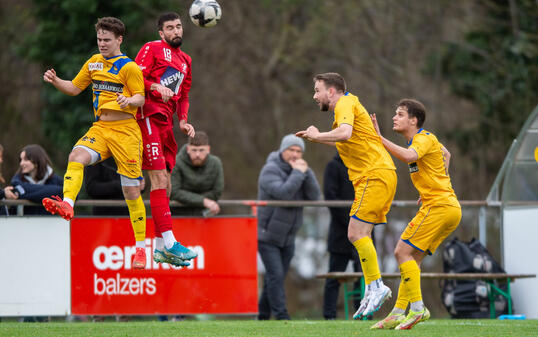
x: 205, y: 13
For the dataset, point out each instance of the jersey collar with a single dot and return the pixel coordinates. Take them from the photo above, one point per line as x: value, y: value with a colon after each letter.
x: 411, y: 141
x: 111, y: 57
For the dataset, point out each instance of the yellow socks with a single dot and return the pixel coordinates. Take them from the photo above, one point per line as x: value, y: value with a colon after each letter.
x: 137, y: 213
x: 73, y: 180
x: 368, y: 256
x: 403, y: 300
x: 411, y: 280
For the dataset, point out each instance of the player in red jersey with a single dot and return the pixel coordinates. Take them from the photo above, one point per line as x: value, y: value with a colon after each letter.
x: 167, y: 81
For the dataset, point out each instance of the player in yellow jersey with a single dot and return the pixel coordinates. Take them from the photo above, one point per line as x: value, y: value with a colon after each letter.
x: 438, y: 216
x: 371, y: 170
x: 118, y: 91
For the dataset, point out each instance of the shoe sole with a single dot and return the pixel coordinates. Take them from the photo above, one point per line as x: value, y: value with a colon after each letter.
x: 172, y: 261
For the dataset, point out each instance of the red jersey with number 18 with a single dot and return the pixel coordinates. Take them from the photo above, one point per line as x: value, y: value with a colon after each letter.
x: 171, y: 67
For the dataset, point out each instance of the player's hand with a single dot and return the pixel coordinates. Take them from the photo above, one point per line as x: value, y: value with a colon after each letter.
x: 212, y: 206
x: 376, y: 125
x: 309, y: 134
x: 186, y: 128
x: 122, y: 100
x: 299, y: 164
x: 50, y: 76
x: 142, y: 184
x: 419, y: 201
x: 165, y: 92
x: 10, y: 194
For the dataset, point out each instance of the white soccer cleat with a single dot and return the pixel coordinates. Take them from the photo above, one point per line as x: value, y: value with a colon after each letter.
x: 377, y: 298
x: 362, y: 307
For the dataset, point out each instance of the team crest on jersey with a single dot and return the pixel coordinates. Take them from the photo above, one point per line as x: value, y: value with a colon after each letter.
x: 172, y: 79
x: 413, y: 167
x: 184, y: 67
x: 95, y: 66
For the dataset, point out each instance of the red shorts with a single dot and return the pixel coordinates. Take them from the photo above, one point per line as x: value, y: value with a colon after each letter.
x: 160, y: 147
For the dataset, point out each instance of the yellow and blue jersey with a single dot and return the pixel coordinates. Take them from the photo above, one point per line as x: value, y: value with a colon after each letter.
x: 429, y: 173
x: 110, y: 76
x: 363, y: 151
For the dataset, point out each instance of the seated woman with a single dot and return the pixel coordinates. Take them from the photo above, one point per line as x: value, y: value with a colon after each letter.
x: 35, y: 179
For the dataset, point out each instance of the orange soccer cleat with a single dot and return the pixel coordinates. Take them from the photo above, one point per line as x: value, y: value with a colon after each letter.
x: 55, y: 205
x: 139, y: 261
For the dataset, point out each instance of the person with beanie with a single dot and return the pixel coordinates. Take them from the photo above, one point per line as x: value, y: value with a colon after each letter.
x: 285, y: 176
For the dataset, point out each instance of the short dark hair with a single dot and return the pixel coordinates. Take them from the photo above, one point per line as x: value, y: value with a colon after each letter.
x: 334, y: 80
x: 111, y: 24
x: 200, y: 138
x: 39, y: 157
x: 170, y: 16
x: 414, y: 109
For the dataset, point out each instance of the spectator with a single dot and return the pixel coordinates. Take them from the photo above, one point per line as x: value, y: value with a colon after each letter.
x: 197, y: 178
x: 3, y: 208
x: 285, y: 176
x: 336, y: 186
x: 35, y: 179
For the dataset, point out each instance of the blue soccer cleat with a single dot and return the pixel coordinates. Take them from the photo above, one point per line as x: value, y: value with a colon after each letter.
x: 179, y: 251
x: 160, y: 257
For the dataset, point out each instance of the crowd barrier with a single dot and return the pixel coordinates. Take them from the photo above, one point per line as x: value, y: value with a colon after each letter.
x: 52, y: 267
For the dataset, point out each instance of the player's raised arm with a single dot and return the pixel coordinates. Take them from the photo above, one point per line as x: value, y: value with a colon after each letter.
x: 405, y: 155
x: 67, y: 87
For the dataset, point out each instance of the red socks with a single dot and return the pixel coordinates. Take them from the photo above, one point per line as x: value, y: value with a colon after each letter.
x: 160, y: 211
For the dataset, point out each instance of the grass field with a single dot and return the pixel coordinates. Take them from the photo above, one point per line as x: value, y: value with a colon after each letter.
x: 230, y: 328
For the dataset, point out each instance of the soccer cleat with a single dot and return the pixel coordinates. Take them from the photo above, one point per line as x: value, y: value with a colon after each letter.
x: 362, y: 307
x: 377, y: 298
x: 55, y: 205
x: 139, y: 261
x: 159, y: 257
x: 413, y: 318
x: 389, y: 322
x: 180, y: 252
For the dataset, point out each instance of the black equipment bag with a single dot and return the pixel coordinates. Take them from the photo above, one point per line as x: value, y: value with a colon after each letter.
x: 469, y: 298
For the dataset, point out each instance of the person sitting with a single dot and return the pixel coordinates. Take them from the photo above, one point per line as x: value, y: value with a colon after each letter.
x: 35, y: 179
x: 197, y: 178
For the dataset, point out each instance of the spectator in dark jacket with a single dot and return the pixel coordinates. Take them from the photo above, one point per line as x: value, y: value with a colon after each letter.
x: 197, y: 178
x: 285, y: 176
x: 35, y: 179
x: 336, y: 186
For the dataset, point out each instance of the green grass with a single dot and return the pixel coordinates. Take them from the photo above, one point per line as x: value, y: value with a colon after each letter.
x: 230, y: 328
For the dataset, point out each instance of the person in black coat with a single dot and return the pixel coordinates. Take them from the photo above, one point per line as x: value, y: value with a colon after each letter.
x: 102, y: 181
x: 34, y: 180
x: 336, y: 186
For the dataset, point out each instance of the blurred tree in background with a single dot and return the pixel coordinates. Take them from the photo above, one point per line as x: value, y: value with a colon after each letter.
x: 496, y: 67
x: 473, y: 64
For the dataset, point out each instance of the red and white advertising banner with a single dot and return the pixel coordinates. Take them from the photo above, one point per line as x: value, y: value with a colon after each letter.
x: 221, y: 280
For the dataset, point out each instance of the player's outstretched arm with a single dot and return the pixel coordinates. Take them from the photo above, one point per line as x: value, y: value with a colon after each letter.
x: 341, y: 133
x: 67, y: 87
x: 405, y: 155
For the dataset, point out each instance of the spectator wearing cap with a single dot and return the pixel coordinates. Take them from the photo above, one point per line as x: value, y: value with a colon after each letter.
x: 285, y: 176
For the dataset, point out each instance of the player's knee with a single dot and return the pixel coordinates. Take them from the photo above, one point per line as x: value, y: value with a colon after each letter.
x: 80, y: 155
